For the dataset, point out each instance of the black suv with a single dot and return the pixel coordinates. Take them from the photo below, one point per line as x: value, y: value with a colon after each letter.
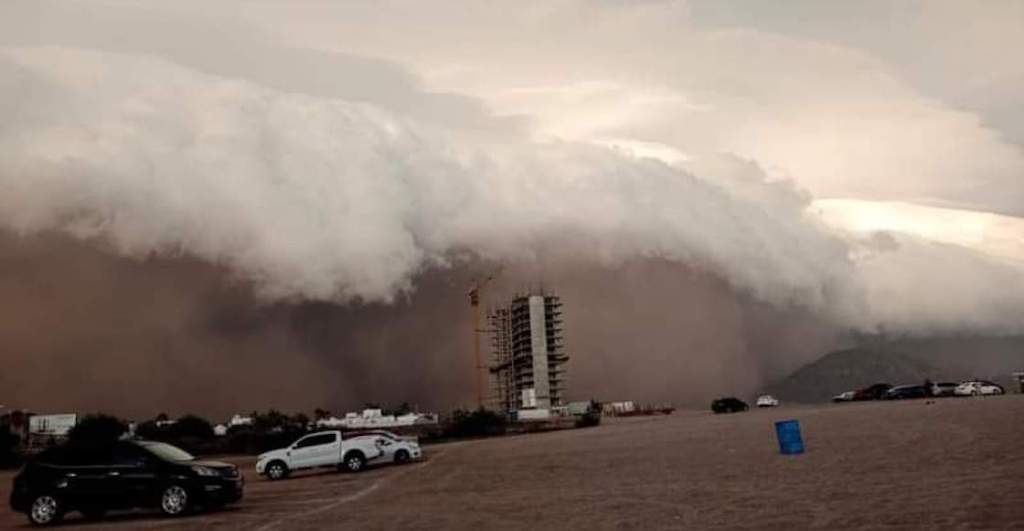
x: 92, y: 479
x: 902, y: 392
x: 728, y: 405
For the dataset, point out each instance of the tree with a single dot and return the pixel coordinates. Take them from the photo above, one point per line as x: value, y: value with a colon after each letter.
x: 97, y: 429
x: 300, y: 420
x: 271, y: 421
x: 149, y: 430
x: 8, y: 447
x: 193, y: 426
x: 321, y: 414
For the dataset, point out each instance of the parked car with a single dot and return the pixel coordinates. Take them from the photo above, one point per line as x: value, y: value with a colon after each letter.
x: 846, y: 396
x: 729, y: 405
x: 978, y: 388
x: 944, y: 388
x: 317, y: 450
x: 95, y: 479
x: 394, y: 448
x: 874, y: 392
x: 906, y: 391
x: 767, y: 401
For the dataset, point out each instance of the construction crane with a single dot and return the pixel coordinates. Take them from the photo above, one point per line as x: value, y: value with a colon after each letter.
x: 478, y: 365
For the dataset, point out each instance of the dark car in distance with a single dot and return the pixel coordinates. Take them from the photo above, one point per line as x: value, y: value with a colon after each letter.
x: 93, y: 479
x: 906, y: 391
x: 874, y: 392
x: 728, y: 405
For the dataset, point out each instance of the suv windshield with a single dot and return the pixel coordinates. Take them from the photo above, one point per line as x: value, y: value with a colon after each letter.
x: 166, y: 451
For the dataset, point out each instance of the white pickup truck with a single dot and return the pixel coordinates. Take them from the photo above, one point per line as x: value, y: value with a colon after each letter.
x: 321, y: 449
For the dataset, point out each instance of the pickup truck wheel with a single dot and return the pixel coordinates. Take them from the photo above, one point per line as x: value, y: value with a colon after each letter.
x: 401, y: 456
x: 354, y: 462
x: 45, y: 510
x: 277, y: 470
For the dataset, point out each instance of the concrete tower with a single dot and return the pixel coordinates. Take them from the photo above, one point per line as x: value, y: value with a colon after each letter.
x: 528, y: 353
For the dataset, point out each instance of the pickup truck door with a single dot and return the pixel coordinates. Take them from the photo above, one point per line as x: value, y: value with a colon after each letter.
x: 318, y: 449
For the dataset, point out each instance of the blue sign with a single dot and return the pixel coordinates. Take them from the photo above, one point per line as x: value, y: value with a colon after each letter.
x: 790, y: 441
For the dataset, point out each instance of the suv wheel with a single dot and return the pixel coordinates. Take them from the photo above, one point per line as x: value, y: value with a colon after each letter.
x: 45, y: 510
x: 174, y: 501
x: 401, y: 456
x: 355, y: 462
x: 277, y: 470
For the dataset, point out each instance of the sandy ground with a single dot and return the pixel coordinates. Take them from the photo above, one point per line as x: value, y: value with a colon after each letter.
x: 952, y: 464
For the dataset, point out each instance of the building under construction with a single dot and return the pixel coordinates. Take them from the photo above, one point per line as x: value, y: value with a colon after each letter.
x: 528, y: 366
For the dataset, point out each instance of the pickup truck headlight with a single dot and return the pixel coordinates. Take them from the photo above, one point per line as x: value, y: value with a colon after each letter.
x: 204, y: 471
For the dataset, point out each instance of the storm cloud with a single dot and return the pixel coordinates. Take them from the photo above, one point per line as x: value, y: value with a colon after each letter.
x: 291, y: 195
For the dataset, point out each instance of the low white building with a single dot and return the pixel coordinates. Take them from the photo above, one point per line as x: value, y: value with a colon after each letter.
x: 375, y: 418
x: 526, y: 415
x: 239, y: 420
x: 619, y: 408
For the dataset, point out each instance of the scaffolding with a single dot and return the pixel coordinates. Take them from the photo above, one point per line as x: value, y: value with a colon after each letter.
x: 528, y: 353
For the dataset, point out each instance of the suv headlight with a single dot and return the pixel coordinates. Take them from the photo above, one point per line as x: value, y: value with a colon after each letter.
x: 205, y: 471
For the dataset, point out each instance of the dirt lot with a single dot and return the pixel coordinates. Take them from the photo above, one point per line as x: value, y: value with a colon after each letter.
x: 952, y: 464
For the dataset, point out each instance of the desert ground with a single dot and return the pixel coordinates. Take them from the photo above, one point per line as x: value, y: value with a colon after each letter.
x: 946, y: 464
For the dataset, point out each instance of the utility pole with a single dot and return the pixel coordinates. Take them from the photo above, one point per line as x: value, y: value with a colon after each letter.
x: 474, y: 301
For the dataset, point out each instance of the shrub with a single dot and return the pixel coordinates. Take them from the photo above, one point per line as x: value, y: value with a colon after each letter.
x: 479, y: 423
x: 592, y: 417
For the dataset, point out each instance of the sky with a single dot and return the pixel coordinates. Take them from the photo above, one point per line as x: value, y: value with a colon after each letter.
x: 810, y: 169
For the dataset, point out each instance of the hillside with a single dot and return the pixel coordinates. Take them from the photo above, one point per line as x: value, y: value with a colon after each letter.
x: 902, y: 362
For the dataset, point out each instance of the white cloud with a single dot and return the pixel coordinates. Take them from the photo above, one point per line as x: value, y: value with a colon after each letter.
x: 837, y: 119
x: 295, y: 144
x: 990, y: 234
x: 324, y: 198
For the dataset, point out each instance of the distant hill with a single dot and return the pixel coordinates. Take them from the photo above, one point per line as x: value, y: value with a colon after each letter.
x: 903, y: 362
